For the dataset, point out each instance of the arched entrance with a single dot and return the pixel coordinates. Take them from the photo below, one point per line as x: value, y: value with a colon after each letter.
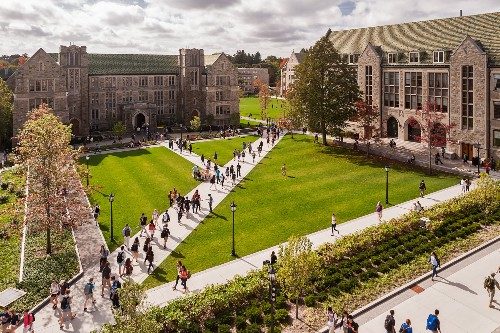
x: 140, y: 120
x: 195, y: 113
x: 414, y: 130
x: 438, y: 135
x: 392, y: 127
x: 75, y: 126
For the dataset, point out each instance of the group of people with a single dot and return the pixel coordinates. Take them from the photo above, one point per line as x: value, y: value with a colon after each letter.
x: 10, y: 321
x: 432, y: 323
x: 465, y: 184
x: 345, y: 322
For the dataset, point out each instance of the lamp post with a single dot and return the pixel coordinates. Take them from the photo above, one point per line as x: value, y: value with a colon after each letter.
x: 87, y: 158
x: 181, y: 132
x: 233, y: 209
x: 386, y: 184
x: 478, y: 146
x: 272, y: 294
x: 111, y: 198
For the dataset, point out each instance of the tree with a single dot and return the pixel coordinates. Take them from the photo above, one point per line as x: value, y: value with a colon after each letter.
x: 433, y: 128
x: 195, y: 123
x: 366, y: 115
x: 297, y: 264
x: 5, y: 115
x: 325, y: 89
x: 264, y: 97
x: 234, y: 120
x: 119, y: 129
x: 44, y: 151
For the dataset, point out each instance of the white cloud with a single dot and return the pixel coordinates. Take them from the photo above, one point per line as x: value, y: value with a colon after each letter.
x: 163, y: 26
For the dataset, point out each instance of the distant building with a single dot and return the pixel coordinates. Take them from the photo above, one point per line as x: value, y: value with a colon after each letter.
x: 288, y: 72
x: 94, y: 91
x: 248, y: 76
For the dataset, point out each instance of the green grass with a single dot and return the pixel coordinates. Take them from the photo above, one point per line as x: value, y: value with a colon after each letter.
x: 140, y: 180
x: 250, y: 105
x: 249, y: 123
x: 224, y: 148
x: 271, y: 207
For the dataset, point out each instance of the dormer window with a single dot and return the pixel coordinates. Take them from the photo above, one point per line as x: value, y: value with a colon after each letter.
x: 438, y: 57
x: 392, y: 58
x: 414, y: 57
x: 353, y: 59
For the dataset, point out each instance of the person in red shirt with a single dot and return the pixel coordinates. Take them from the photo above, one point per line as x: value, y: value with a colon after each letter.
x: 28, y: 320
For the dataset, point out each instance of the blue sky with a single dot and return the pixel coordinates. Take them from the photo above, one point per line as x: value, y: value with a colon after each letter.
x: 163, y: 26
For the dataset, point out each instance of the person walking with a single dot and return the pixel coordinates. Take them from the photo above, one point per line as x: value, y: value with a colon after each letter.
x: 215, y: 156
x: 334, y: 224
x: 106, y: 278
x: 390, y: 323
x: 28, y: 320
x: 223, y: 178
x: 253, y: 157
x: 434, y: 260
x: 104, y: 252
x: 151, y: 229
x: 113, y: 294
x: 55, y: 291
x: 212, y: 183
x: 467, y: 185
x: 97, y: 212
x: 210, y: 202
x: 433, y: 324
x: 422, y: 188
x: 417, y: 207
x: 135, y: 249
x: 178, y: 267
x: 179, y: 214
x: 238, y: 170
x: 88, y: 292
x: 146, y: 246
x: 406, y: 327
x: 120, y: 259
x: 165, y: 233
x: 283, y: 170
x: 143, y: 221
x: 166, y: 217
x: 66, y: 309
x: 274, y: 258
x: 331, y: 319
x: 128, y: 267
x: 150, y: 256
x: 202, y: 157
x: 190, y: 147
x: 233, y: 178
x: 378, y: 211
x: 126, y: 235
x: 184, y: 275
x: 490, y: 283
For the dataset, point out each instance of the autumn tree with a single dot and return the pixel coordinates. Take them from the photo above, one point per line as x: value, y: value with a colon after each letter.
x: 264, y: 97
x: 297, y: 264
x: 119, y: 129
x: 44, y: 151
x: 434, y: 130
x: 195, y: 123
x: 5, y: 115
x: 325, y: 89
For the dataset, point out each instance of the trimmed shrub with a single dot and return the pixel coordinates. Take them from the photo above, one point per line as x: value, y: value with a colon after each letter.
x: 224, y: 329
x: 254, y: 314
x: 240, y: 323
x: 252, y: 328
x: 281, y: 316
x: 310, y: 301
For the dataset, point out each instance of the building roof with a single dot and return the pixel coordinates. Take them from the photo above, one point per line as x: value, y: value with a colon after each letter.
x: 440, y: 34
x: 130, y: 64
x: 210, y: 59
x: 300, y: 56
x: 6, y: 72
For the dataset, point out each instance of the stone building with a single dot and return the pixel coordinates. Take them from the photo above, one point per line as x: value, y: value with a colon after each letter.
x: 288, y: 72
x: 248, y: 76
x: 94, y: 91
x: 454, y: 63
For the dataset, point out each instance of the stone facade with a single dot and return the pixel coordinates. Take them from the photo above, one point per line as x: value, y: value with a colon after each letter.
x: 94, y: 91
x: 288, y: 72
x: 247, y: 77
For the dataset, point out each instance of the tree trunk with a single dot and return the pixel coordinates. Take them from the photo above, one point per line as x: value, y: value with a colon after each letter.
x: 49, y: 244
x: 323, y: 133
x: 297, y: 307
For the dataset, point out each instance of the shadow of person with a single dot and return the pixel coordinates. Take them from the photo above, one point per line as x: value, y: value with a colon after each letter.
x: 458, y: 285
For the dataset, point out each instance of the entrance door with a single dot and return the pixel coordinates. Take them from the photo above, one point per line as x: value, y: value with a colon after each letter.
x: 468, y: 149
x: 414, y: 132
x: 392, y: 128
x: 140, y: 120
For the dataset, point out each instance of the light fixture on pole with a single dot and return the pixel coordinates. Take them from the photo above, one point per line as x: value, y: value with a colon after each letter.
x: 386, y: 184
x: 87, y: 158
x: 478, y: 146
x: 111, y: 198
x: 233, y: 209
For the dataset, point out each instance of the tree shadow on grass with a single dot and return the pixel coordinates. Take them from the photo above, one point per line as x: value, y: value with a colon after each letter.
x: 215, y: 215
x: 160, y: 275
x: 176, y: 254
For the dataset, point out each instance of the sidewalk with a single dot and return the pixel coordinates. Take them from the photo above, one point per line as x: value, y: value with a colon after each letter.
x: 460, y: 297
x: 220, y: 274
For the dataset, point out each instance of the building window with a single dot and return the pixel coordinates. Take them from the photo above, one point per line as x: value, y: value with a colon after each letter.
x: 36, y: 102
x: 94, y: 98
x: 496, y: 138
x: 194, y: 77
x: 353, y: 58
x: 127, y: 81
x: 413, y: 90
x: 496, y: 110
x: 414, y: 57
x: 467, y: 97
x: 41, y: 66
x: 143, y: 81
x: 158, y: 80
x: 73, y: 59
x: 95, y: 114
x: 143, y: 96
x: 110, y: 81
x: 73, y: 79
x: 391, y: 89
x: 127, y: 96
x: 171, y: 80
x: 171, y: 109
x: 438, y: 57
x: 94, y: 83
x: 110, y: 100
x: 222, y: 109
x: 158, y: 100
x: 171, y: 94
x: 496, y: 81
x: 392, y: 58
x: 41, y: 85
x: 369, y: 85
x: 222, y: 80
x: 219, y: 96
x: 438, y: 91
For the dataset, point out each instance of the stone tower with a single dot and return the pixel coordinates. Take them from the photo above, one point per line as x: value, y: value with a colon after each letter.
x: 192, y: 84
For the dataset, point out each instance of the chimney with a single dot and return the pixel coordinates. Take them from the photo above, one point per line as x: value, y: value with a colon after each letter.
x: 460, y: 13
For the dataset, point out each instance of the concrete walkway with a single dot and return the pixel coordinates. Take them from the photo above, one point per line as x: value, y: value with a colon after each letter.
x: 460, y: 298
x: 220, y: 274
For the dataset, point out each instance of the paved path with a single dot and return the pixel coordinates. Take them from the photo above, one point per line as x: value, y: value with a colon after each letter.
x: 460, y: 298
x: 220, y: 274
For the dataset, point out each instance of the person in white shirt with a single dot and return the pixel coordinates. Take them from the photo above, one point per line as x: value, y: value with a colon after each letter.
x: 331, y: 319
x: 434, y: 260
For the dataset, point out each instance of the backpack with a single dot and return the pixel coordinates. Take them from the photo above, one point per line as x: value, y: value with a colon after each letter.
x: 489, y: 283
x: 119, y: 258
x: 163, y: 233
x: 432, y: 322
x: 64, y: 304
x: 88, y: 289
x: 126, y: 232
x: 388, y: 323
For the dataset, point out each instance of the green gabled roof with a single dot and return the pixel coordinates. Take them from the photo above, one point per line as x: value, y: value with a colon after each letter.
x: 133, y: 64
x: 440, y: 34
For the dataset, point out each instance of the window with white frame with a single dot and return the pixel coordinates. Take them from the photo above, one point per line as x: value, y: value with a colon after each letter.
x: 438, y: 57
x: 414, y: 57
x: 353, y: 58
x: 392, y: 58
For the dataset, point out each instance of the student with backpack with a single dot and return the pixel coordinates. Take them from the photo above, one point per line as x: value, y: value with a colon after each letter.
x: 165, y: 233
x: 390, y: 322
x: 135, y: 249
x: 352, y: 326
x: 113, y: 295
x: 422, y: 188
x: 120, y: 259
x: 88, y: 291
x: 433, y: 323
x: 166, y: 217
x: 66, y: 309
x: 126, y: 235
x: 104, y: 252
x: 28, y: 319
x: 489, y: 284
x: 106, y: 278
x: 406, y: 327
x: 152, y: 228
x: 184, y: 275
x: 143, y: 221
x: 150, y: 256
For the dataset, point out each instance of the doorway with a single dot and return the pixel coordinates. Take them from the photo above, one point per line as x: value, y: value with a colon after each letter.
x: 414, y: 131
x: 140, y: 120
x: 467, y: 148
x: 392, y: 128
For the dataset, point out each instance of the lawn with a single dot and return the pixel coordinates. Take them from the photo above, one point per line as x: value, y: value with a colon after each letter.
x: 271, y: 207
x: 249, y: 123
x: 140, y: 180
x: 224, y: 148
x: 250, y: 106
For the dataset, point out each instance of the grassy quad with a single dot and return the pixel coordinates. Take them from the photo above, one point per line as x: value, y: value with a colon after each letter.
x: 250, y: 105
x: 140, y: 180
x: 224, y: 148
x: 271, y: 207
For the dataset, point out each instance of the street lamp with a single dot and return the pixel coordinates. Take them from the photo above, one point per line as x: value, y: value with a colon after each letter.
x: 111, y: 198
x: 478, y: 146
x: 87, y: 158
x: 181, y: 133
x: 233, y: 209
x: 386, y: 184
x: 272, y: 294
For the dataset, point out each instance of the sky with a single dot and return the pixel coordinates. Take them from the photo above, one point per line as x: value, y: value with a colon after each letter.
x: 272, y: 27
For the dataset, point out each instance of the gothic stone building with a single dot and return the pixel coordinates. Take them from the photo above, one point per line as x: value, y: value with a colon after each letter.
x: 248, y: 76
x: 94, y: 91
x: 454, y: 63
